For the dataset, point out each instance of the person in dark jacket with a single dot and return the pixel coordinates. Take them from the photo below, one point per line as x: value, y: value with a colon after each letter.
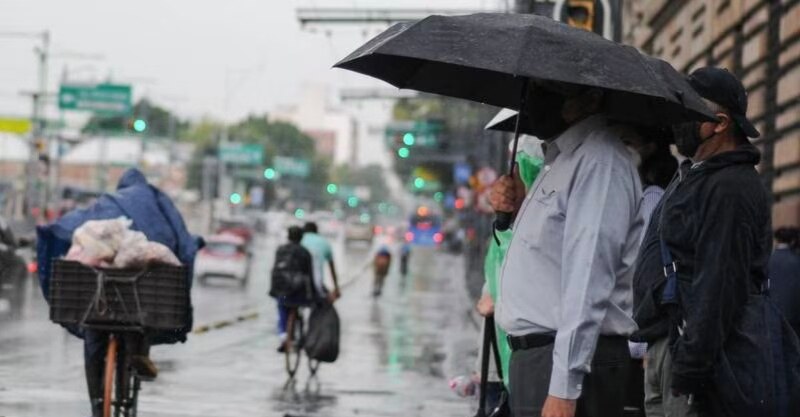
x: 291, y: 258
x: 715, y: 220
x: 784, y: 274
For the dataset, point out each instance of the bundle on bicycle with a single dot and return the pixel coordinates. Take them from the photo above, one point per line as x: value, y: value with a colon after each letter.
x: 118, y: 275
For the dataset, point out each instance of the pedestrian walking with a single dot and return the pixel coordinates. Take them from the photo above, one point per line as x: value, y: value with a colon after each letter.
x: 292, y: 280
x: 712, y: 228
x: 784, y: 274
x: 564, y: 294
x: 321, y: 253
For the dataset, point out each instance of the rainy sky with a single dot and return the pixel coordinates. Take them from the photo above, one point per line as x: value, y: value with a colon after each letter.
x: 191, y: 55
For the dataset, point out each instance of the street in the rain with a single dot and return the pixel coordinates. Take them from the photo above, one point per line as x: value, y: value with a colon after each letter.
x: 397, y: 352
x: 537, y: 208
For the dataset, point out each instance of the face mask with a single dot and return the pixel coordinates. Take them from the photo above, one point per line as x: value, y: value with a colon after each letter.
x: 687, y: 138
x: 544, y: 113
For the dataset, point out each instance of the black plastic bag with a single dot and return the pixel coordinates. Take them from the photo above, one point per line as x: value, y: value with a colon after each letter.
x: 322, y: 339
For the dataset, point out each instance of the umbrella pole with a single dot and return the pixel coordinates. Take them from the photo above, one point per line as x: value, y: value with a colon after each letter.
x: 522, y: 103
x: 502, y: 219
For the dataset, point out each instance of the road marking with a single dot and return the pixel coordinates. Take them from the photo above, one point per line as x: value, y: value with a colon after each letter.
x: 225, y: 323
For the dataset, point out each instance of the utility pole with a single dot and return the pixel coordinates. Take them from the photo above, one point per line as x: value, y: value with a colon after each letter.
x: 37, y: 113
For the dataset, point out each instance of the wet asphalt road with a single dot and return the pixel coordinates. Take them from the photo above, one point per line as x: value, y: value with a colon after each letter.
x: 397, y: 353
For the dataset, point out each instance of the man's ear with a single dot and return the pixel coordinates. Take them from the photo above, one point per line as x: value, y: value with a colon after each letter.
x: 724, y: 123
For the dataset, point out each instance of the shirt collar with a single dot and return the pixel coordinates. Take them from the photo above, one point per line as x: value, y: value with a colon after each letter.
x: 574, y: 136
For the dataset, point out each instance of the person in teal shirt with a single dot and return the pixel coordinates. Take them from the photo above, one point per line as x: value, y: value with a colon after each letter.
x: 322, y: 254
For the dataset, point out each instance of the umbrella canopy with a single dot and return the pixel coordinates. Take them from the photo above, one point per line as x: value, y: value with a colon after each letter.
x: 489, y: 58
x: 505, y: 121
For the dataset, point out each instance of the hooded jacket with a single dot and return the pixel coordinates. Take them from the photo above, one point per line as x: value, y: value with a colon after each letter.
x: 715, y: 219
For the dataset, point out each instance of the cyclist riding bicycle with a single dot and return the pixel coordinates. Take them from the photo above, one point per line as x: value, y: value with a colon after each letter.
x: 152, y: 213
x: 292, y: 282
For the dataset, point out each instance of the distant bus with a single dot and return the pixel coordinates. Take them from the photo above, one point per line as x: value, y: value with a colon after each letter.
x: 424, y: 228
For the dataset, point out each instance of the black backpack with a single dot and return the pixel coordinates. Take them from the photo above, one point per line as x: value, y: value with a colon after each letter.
x: 291, y: 274
x: 757, y: 373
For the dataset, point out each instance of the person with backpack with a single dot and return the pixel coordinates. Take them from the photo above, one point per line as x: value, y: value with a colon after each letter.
x: 292, y: 280
x: 698, y: 285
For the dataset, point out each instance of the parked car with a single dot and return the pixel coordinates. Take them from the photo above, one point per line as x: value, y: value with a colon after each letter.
x: 14, y: 270
x: 224, y: 256
x: 241, y: 227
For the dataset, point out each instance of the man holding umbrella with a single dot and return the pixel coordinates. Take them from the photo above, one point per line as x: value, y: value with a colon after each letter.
x: 565, y: 287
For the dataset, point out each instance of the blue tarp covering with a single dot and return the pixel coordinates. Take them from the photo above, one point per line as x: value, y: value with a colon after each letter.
x: 151, y: 212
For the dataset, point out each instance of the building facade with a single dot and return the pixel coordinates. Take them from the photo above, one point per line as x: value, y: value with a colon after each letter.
x: 759, y: 41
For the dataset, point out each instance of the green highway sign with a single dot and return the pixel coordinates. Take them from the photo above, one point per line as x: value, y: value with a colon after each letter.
x: 296, y: 167
x: 108, y: 99
x: 241, y: 154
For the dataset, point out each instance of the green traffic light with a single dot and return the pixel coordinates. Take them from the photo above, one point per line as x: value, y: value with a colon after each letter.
x: 409, y: 139
x: 236, y: 198
x: 139, y: 125
x: 403, y: 152
x: 332, y: 188
x: 269, y: 174
x: 439, y: 196
x: 299, y: 213
x: 419, y: 183
x: 352, y: 202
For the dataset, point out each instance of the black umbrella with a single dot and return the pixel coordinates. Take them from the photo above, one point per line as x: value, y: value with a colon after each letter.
x: 491, y: 58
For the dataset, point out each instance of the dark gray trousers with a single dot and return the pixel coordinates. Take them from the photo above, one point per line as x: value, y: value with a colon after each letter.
x: 603, y: 393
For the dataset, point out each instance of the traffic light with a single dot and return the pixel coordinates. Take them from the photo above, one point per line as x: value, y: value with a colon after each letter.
x: 139, y: 125
x: 409, y: 139
x: 299, y: 213
x: 581, y: 14
x: 352, y: 202
x: 236, y: 198
x: 270, y: 174
x: 403, y: 153
x: 419, y: 183
x: 332, y: 188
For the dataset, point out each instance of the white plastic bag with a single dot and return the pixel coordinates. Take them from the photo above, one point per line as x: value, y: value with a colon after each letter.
x: 96, y: 242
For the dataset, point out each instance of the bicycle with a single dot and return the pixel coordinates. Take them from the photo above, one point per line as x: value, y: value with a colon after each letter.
x: 123, y: 399
x: 294, y: 344
x: 125, y: 303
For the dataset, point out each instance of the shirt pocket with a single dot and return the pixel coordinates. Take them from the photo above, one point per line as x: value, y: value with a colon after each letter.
x: 544, y: 228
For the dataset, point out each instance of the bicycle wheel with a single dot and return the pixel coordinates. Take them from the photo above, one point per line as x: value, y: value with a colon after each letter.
x: 108, y: 380
x: 133, y: 396
x: 313, y: 366
x: 294, y: 342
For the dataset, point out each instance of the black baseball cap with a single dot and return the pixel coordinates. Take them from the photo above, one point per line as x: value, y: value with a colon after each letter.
x: 723, y: 88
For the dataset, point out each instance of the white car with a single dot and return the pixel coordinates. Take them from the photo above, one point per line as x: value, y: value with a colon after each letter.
x: 224, y: 256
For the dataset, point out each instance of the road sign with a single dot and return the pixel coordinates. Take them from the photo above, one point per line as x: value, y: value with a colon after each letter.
x: 108, y: 99
x: 15, y: 125
x: 241, y: 154
x: 292, y: 166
